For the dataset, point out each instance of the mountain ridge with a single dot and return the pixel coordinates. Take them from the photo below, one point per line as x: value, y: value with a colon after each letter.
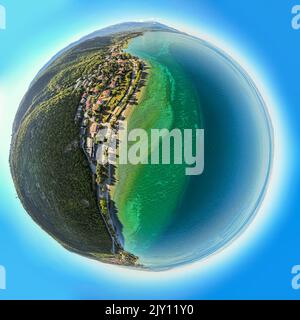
x: 130, y: 26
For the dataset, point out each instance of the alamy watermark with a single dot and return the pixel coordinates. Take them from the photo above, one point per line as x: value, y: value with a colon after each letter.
x: 2, y: 278
x: 156, y: 146
x: 296, y: 17
x: 2, y: 18
x: 296, y: 277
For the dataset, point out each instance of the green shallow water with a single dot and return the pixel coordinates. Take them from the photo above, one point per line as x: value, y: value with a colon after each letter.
x: 148, y: 195
x: 169, y: 218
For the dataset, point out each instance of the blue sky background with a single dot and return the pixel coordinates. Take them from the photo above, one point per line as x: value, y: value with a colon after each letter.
x: 257, y: 268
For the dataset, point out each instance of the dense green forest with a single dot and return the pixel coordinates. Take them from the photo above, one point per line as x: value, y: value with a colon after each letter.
x: 51, y: 174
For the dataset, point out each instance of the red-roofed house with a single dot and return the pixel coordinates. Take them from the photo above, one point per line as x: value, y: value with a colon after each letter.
x: 88, y: 104
x: 105, y: 94
x: 94, y: 129
x: 95, y: 107
x: 113, y: 84
x: 100, y: 101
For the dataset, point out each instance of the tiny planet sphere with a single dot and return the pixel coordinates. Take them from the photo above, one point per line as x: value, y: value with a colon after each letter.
x: 142, y: 215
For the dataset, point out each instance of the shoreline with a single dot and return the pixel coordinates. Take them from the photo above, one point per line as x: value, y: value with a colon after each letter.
x: 128, y: 113
x: 108, y: 104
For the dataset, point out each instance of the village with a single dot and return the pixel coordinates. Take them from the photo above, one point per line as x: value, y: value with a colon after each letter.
x: 107, y: 93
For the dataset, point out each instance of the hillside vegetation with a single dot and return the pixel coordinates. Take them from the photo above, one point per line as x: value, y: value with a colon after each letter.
x: 50, y: 172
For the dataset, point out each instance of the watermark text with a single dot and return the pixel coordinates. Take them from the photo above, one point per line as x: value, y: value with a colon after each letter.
x: 156, y: 146
x: 2, y: 18
x: 2, y: 278
x: 296, y: 17
x: 296, y: 277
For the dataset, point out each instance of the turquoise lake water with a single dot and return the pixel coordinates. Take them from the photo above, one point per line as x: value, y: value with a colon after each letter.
x: 169, y: 218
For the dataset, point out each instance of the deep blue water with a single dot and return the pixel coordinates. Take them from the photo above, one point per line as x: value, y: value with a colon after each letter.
x: 219, y: 203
